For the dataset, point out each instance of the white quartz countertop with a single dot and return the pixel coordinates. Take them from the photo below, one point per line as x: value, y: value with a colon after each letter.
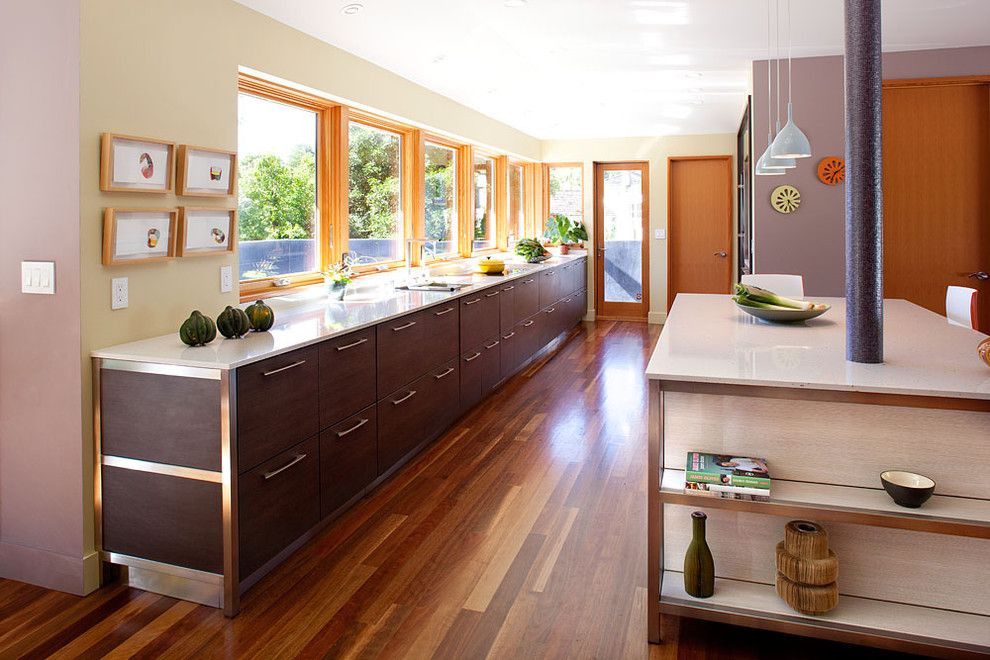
x: 706, y: 339
x: 310, y: 315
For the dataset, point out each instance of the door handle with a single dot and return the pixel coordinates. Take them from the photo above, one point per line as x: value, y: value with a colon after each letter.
x: 980, y: 275
x: 721, y: 253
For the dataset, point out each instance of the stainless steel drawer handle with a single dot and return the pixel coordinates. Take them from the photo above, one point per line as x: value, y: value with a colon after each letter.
x: 550, y: 272
x: 352, y: 345
x: 269, y: 475
x: 551, y: 310
x: 528, y: 323
x: 411, y: 394
x: 446, y: 311
x: 509, y: 336
x: 509, y: 288
x: 285, y: 368
x: 492, y: 345
x: 403, y: 327
x: 447, y: 372
x: 489, y: 295
x: 341, y: 434
x: 567, y: 300
x: 473, y: 357
x: 471, y: 302
x: 529, y: 281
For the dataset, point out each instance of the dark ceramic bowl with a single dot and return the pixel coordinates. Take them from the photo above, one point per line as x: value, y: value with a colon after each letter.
x: 907, y: 488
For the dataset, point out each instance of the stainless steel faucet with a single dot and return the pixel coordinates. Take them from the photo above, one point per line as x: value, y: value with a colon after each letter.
x: 425, y: 248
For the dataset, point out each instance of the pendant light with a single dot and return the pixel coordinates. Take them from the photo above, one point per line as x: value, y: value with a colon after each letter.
x: 790, y: 142
x: 778, y: 161
x: 766, y: 166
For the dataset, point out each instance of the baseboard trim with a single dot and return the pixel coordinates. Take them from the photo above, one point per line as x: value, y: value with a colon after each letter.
x: 656, y: 318
x: 48, y: 569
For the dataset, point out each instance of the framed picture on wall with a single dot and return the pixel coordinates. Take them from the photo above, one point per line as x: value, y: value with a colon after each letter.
x: 205, y: 231
x: 206, y: 172
x: 135, y: 164
x: 138, y: 235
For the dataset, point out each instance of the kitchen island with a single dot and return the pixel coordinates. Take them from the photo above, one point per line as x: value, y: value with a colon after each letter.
x: 725, y: 383
x: 215, y: 463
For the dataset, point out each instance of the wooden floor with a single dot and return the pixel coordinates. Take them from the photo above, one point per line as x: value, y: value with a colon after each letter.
x: 519, y: 534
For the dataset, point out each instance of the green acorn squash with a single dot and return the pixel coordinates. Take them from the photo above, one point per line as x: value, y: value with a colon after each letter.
x: 233, y: 323
x: 197, y: 330
x: 261, y: 316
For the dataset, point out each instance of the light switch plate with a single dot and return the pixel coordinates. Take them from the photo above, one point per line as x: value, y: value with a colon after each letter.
x: 38, y: 277
x: 660, y: 234
x: 118, y: 293
x: 226, y: 279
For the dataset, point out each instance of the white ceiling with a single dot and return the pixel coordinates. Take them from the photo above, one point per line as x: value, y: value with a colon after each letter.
x: 605, y: 68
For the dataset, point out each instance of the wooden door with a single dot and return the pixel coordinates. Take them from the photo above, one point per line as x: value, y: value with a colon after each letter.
x: 622, y: 247
x: 699, y: 225
x: 936, y: 169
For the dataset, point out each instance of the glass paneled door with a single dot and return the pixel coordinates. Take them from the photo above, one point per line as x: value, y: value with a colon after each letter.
x: 622, y: 218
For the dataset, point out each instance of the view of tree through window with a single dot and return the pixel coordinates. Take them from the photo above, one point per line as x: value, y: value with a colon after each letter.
x: 484, y: 203
x: 566, y: 192
x: 441, y: 197
x: 517, y: 214
x: 374, y: 194
x: 277, y: 224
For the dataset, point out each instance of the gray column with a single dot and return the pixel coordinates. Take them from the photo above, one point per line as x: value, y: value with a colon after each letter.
x: 864, y: 185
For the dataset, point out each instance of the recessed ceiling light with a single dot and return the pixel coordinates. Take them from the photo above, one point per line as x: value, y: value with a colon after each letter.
x: 515, y: 3
x: 351, y: 8
x: 439, y: 58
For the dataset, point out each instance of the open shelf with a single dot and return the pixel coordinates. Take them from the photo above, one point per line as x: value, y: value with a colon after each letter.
x: 957, y: 516
x: 757, y: 605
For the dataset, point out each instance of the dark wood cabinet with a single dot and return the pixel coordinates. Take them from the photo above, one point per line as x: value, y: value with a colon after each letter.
x: 507, y: 308
x: 530, y: 337
x: 278, y: 502
x: 552, y: 323
x: 550, y: 287
x: 417, y: 412
x: 491, y: 365
x: 479, y: 317
x: 348, y: 459
x: 526, y: 298
x: 472, y: 379
x: 277, y: 405
x: 411, y: 345
x: 347, y: 375
x: 510, y: 356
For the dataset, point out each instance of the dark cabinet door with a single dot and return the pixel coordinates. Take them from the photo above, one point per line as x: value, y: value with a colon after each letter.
x: 278, y: 502
x: 472, y: 379
x: 491, y: 365
x: 550, y: 287
x: 347, y: 375
x: 277, y: 405
x: 581, y: 275
x: 551, y: 323
x: 411, y: 345
x: 348, y: 459
x: 509, y: 356
x: 526, y: 298
x: 417, y: 412
x: 530, y: 337
x: 507, y: 308
x: 479, y: 317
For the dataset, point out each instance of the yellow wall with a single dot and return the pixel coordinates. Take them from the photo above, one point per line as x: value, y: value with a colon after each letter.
x: 168, y: 69
x: 652, y: 149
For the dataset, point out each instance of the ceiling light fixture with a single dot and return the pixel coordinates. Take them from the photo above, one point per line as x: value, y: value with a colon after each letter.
x: 351, y: 8
x: 763, y: 166
x: 791, y: 142
x: 778, y: 161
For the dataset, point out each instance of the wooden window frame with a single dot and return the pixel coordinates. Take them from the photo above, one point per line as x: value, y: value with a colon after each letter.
x: 525, y: 196
x: 457, y: 240
x: 498, y: 204
x: 546, y: 193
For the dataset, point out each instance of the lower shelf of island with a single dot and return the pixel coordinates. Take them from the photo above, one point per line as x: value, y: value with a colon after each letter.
x: 859, y: 620
x: 958, y: 516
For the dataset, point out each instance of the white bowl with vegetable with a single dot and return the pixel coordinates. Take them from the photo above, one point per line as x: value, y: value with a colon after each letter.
x: 768, y: 306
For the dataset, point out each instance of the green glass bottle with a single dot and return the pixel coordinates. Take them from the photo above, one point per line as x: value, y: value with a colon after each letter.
x: 699, y: 567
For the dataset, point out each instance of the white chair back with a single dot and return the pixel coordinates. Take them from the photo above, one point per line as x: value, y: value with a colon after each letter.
x: 960, y: 306
x: 789, y: 286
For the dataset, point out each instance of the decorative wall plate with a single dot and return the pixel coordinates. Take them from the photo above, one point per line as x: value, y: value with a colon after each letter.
x: 785, y: 199
x: 832, y: 170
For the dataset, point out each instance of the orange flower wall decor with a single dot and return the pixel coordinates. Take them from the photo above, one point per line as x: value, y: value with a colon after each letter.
x: 832, y: 170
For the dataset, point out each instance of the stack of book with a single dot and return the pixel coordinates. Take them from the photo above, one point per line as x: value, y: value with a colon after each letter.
x: 726, y: 476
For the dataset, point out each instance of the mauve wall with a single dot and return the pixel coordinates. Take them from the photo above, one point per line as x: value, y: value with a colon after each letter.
x: 41, y: 453
x: 811, y: 241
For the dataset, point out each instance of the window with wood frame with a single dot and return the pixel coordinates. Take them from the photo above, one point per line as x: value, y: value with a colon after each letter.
x: 563, y: 191
x: 376, y: 222
x: 440, y: 197
x: 516, y: 190
x: 485, y: 234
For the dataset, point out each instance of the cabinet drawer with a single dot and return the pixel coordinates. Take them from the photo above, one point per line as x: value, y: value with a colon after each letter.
x: 507, y: 308
x: 491, y: 364
x: 411, y: 345
x: 509, y: 356
x: 347, y: 375
x: 348, y: 459
x: 526, y: 298
x: 479, y: 317
x: 530, y: 337
x: 278, y: 502
x: 412, y: 414
x: 472, y: 378
x: 277, y: 405
x: 552, y: 323
x: 550, y: 287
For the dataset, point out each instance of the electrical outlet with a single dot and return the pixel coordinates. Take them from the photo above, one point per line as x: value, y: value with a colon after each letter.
x: 226, y: 279
x: 118, y: 293
x: 660, y: 234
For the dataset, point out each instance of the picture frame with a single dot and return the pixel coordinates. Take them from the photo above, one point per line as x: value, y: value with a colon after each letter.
x: 138, y: 235
x: 136, y: 164
x: 205, y: 231
x: 205, y: 172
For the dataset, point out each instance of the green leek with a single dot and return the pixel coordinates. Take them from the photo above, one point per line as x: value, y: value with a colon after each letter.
x: 752, y: 295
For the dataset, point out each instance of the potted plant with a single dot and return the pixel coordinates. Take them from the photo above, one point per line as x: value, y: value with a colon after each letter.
x: 578, y: 234
x: 337, y: 277
x: 558, y: 230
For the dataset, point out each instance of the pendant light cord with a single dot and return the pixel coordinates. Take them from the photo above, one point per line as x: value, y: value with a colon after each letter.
x: 769, y: 77
x: 776, y: 30
x: 790, y: 48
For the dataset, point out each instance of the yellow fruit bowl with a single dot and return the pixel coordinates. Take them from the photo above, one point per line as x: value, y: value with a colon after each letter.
x: 491, y: 266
